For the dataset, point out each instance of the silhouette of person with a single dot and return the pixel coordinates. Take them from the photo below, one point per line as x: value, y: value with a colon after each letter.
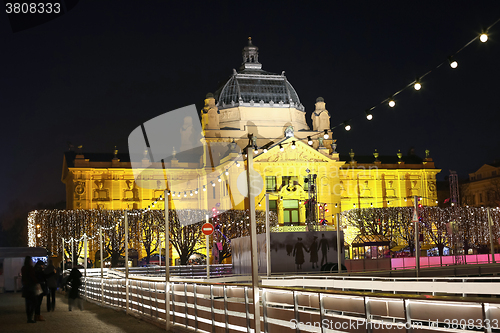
x: 298, y: 253
x: 323, y: 244
x: 313, y: 249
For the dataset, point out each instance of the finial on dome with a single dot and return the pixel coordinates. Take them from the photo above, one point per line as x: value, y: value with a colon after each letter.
x: 251, y: 56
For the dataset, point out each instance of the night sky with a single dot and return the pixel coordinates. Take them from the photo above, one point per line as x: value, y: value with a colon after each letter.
x: 92, y: 75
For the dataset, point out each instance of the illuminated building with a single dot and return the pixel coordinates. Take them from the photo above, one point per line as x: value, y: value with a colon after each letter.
x: 295, y: 162
x: 483, y: 187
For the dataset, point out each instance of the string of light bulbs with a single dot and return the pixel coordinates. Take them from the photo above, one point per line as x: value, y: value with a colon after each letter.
x: 417, y: 83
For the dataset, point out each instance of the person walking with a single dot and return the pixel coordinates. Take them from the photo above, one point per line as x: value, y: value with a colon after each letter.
x: 29, y: 282
x: 41, y: 280
x: 52, y: 278
x: 75, y: 283
x: 89, y: 263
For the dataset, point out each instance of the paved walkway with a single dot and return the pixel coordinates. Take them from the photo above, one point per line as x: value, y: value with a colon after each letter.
x: 92, y: 319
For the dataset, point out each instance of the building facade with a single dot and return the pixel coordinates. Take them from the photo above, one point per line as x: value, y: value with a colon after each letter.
x: 298, y: 165
x: 483, y: 187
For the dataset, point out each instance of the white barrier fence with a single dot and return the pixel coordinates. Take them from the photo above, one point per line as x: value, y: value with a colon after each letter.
x: 227, y: 308
x: 446, y: 285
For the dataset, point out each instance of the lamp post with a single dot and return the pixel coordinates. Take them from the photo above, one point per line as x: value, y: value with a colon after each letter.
x: 417, y: 236
x: 102, y: 269
x: 490, y: 224
x: 126, y: 262
x: 253, y: 243
x: 63, y: 255
x: 167, y: 264
x: 268, y: 238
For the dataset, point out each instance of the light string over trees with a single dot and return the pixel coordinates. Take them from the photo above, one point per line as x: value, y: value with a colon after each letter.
x: 47, y: 228
x: 441, y: 227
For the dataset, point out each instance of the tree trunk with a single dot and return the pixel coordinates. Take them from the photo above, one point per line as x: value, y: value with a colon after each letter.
x: 441, y: 249
x: 115, y: 256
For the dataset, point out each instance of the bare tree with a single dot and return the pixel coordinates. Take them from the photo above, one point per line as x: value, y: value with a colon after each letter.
x: 149, y: 229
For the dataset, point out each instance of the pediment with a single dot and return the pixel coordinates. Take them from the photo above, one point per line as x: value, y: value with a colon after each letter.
x: 301, y: 153
x: 486, y: 168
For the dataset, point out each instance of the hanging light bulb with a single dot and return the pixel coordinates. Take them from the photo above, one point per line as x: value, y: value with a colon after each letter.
x: 417, y: 84
x: 369, y: 116
x: 213, y: 184
x: 168, y: 192
x: 237, y: 164
x: 260, y: 204
x: 196, y: 191
x: 218, y: 179
x: 347, y: 126
x: 392, y: 102
x: 179, y: 194
x: 484, y: 37
x: 281, y: 147
x: 204, y: 188
x: 256, y: 150
x: 191, y: 193
x: 227, y: 172
x: 185, y: 194
x: 264, y: 150
x: 293, y: 144
x: 371, y: 204
x: 326, y: 136
x: 453, y: 62
x: 309, y: 141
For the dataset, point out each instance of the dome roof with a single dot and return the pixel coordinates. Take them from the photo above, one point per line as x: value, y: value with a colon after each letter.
x: 252, y: 86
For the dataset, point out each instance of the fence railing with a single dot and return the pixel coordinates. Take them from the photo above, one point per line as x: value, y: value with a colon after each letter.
x: 227, y: 308
x: 187, y: 271
x: 482, y: 286
x: 366, y: 265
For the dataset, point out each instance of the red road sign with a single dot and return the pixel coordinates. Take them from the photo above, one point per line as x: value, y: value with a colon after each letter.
x: 207, y: 229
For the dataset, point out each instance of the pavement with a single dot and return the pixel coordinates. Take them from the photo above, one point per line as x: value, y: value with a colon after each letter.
x: 92, y: 319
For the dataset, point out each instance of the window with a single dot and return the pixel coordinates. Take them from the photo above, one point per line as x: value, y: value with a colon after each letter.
x: 273, y: 206
x: 291, y: 212
x: 480, y: 197
x: 285, y: 180
x: 270, y: 183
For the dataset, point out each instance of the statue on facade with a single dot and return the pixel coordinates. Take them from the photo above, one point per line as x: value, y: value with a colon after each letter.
x: 210, y: 114
x: 320, y: 116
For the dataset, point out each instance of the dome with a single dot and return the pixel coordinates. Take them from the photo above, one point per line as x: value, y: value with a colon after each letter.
x: 252, y: 86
